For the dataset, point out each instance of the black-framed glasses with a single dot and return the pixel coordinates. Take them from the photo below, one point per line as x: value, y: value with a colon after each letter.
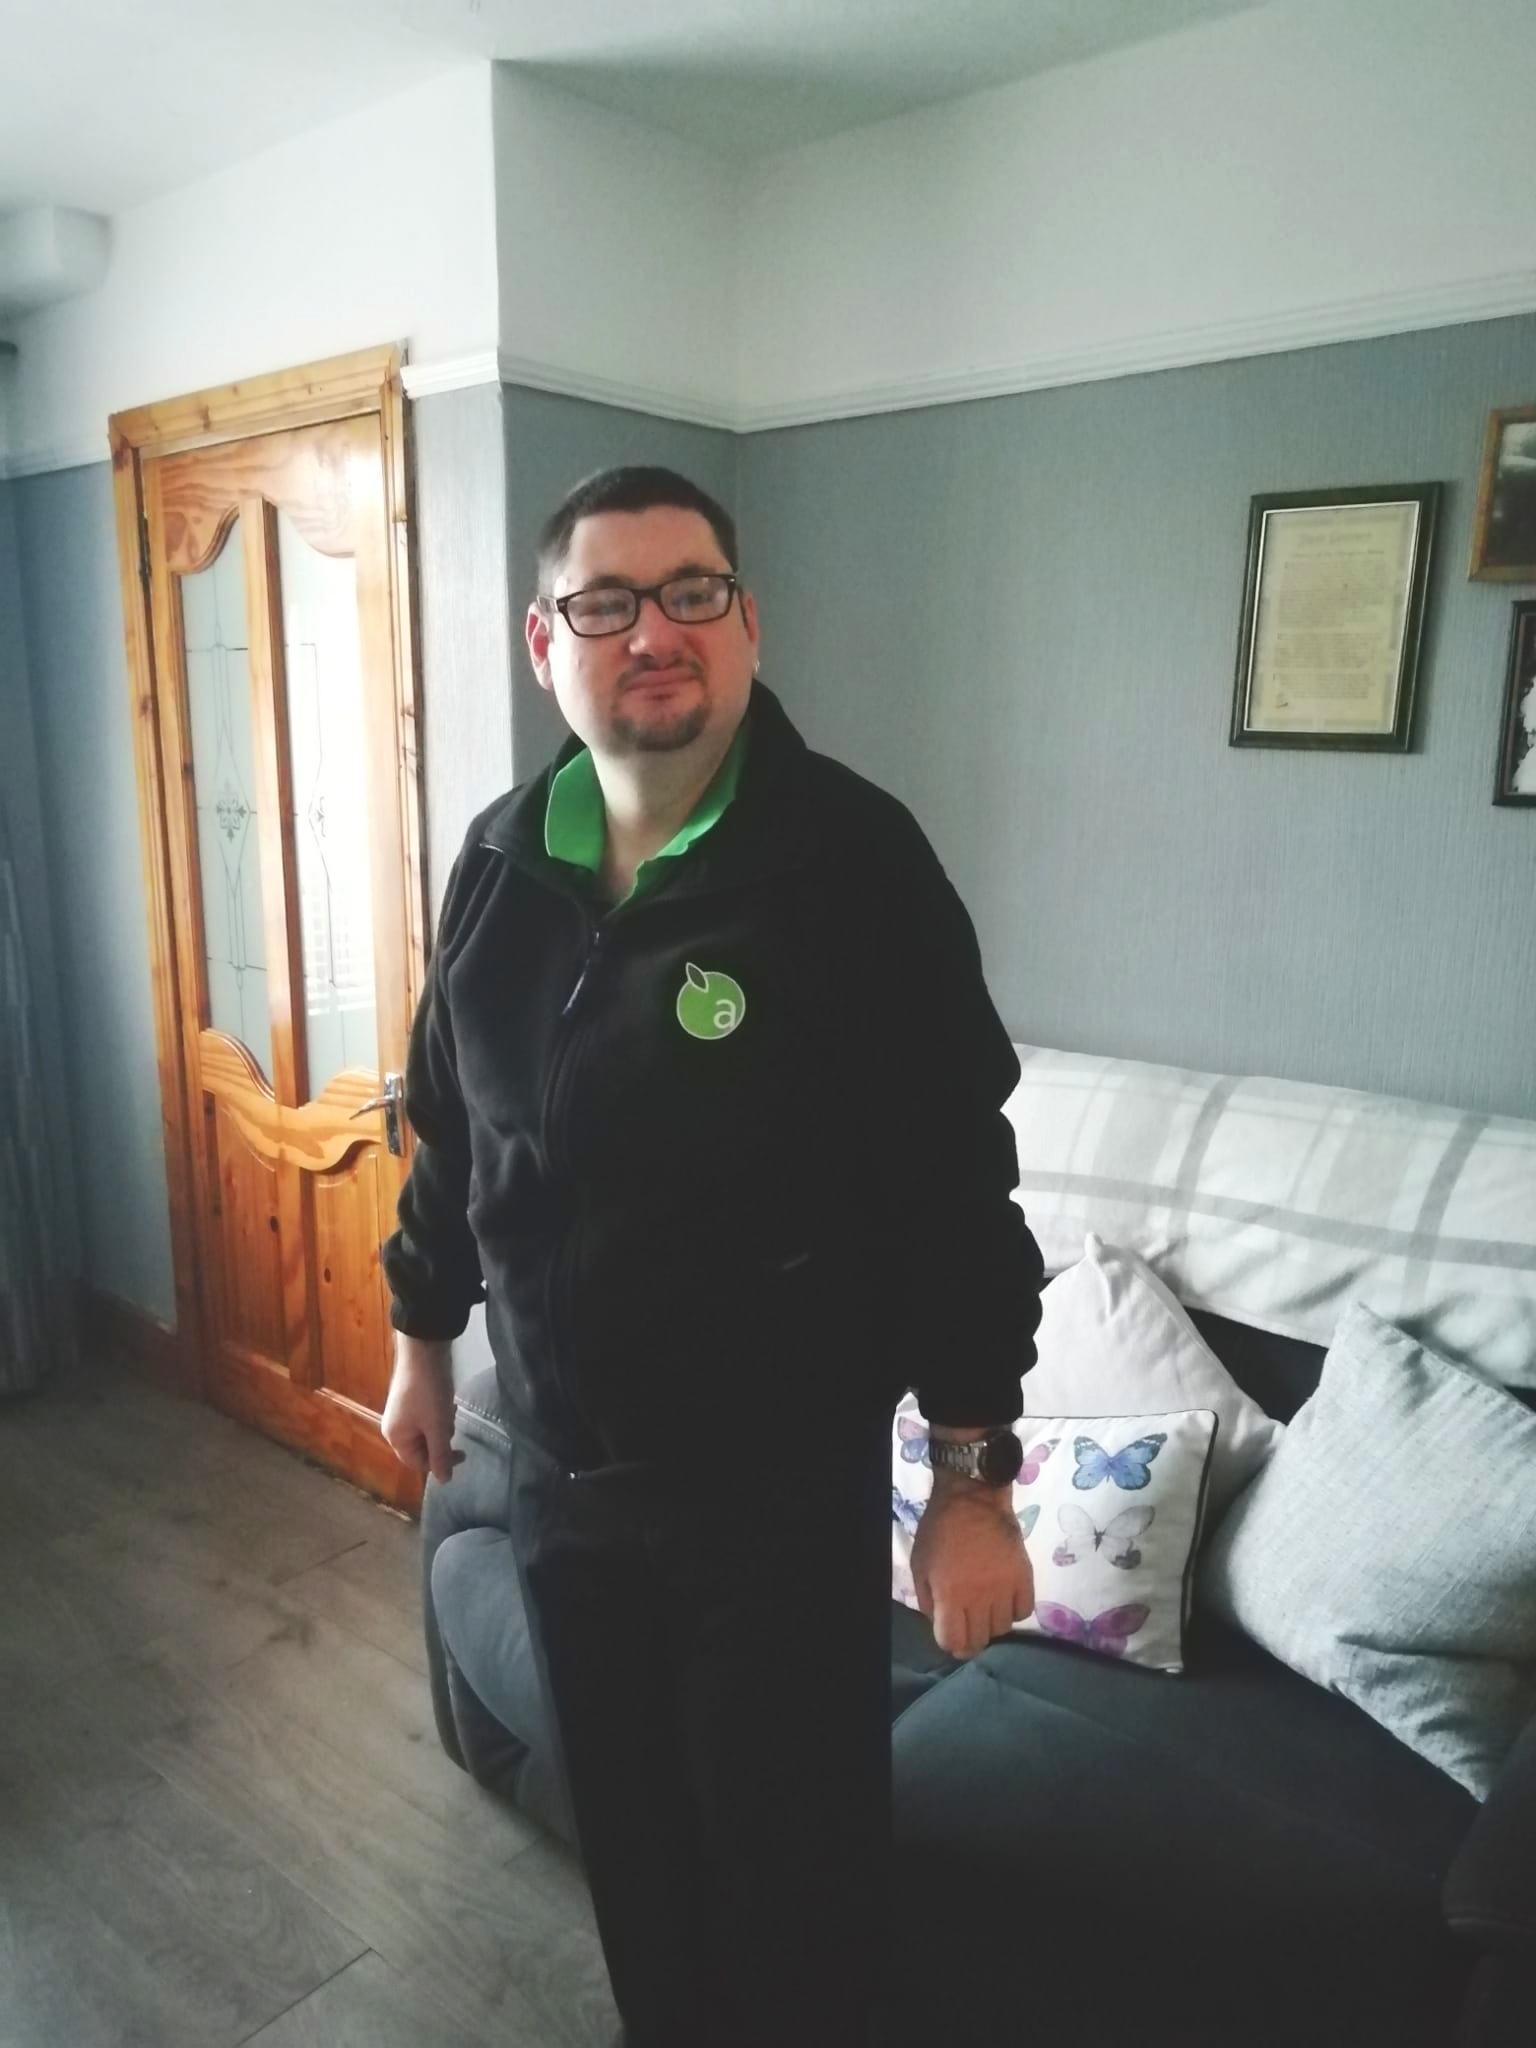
x: 691, y: 600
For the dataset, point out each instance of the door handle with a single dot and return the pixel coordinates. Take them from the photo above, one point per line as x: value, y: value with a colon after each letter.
x: 391, y: 1102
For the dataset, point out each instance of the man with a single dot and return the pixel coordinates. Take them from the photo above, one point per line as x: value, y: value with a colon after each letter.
x: 707, y: 1081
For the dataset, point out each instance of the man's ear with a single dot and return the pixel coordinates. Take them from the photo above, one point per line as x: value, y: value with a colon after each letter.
x: 749, y: 619
x: 536, y: 629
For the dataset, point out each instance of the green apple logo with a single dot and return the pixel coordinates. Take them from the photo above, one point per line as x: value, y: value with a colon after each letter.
x: 710, y: 1005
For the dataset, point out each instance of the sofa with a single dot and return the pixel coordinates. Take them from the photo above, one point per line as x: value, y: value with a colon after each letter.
x: 1228, y: 1857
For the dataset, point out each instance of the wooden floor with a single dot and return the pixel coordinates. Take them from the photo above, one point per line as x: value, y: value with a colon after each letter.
x: 224, y: 1813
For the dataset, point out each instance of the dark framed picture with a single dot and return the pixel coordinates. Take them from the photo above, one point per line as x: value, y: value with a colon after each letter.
x: 1333, y: 614
x: 1515, y: 782
x: 1504, y: 530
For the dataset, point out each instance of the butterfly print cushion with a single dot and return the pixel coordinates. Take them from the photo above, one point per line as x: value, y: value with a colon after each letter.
x: 1110, y: 1507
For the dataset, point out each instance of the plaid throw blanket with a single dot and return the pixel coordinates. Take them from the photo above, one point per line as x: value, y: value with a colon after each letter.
x: 1278, y: 1202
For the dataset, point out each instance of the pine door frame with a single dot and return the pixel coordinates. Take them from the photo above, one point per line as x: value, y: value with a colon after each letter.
x: 342, y: 387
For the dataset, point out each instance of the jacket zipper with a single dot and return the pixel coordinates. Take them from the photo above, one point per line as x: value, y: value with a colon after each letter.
x: 561, y: 1275
x: 559, y: 1285
x: 560, y: 1065
x: 586, y: 966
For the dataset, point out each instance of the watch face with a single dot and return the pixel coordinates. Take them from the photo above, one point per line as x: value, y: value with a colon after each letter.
x: 1001, y: 1456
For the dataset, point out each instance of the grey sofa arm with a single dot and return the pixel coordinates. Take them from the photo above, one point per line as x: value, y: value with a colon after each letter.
x: 475, y: 1498
x: 493, y: 1756
x: 1490, y: 1889
x: 486, y: 1698
x: 493, y: 1680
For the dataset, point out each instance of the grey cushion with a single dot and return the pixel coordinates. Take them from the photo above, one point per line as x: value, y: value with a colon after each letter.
x: 1387, y: 1551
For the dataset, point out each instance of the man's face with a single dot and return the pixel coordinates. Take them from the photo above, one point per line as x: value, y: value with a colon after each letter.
x: 657, y: 686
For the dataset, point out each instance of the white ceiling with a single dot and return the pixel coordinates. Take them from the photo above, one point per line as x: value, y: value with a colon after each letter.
x: 102, y: 104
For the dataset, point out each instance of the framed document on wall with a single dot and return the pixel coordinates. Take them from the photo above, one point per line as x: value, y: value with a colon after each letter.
x: 1333, y: 610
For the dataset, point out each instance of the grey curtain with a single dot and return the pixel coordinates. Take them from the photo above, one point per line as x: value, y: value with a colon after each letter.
x: 35, y: 1326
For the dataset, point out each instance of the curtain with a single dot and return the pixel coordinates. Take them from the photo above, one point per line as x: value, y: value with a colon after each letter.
x: 33, y: 1326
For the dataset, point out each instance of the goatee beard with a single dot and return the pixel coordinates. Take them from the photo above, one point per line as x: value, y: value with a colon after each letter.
x: 660, y: 736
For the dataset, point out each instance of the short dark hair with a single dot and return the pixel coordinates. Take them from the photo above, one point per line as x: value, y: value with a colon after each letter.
x: 632, y: 489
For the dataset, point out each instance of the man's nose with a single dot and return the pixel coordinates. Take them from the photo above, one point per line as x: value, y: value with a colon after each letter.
x: 652, y: 627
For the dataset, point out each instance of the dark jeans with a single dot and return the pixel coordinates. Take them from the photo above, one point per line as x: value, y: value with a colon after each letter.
x: 715, y: 1660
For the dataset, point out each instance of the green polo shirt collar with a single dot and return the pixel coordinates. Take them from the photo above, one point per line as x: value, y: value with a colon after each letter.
x: 575, y: 818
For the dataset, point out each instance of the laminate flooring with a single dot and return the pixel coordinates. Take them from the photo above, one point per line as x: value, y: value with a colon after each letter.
x: 225, y: 1817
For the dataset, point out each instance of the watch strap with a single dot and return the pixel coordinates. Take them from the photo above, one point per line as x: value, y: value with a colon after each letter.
x: 947, y: 1455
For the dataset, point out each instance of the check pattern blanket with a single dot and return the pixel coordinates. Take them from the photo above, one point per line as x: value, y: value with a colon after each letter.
x: 1279, y: 1202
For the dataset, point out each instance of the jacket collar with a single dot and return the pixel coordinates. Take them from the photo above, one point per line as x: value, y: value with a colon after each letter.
x: 766, y: 828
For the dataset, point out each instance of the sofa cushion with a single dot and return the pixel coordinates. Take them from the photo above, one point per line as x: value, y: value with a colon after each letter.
x: 1269, y: 1800
x: 1110, y: 1508
x: 1388, y: 1549
x: 1490, y: 1890
x: 917, y: 1662
x: 1238, y: 1858
x: 1113, y: 1340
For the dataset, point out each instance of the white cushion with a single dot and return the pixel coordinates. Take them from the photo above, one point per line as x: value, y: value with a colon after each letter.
x: 1113, y: 1340
x: 1388, y: 1549
x: 1111, y: 1508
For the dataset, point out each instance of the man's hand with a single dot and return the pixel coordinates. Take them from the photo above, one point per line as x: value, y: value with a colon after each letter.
x: 417, y: 1422
x: 969, y: 1565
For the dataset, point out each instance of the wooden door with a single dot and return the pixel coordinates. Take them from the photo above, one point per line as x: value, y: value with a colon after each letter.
x: 272, y: 618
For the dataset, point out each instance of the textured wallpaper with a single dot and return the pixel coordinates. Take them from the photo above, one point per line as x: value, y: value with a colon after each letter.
x: 1021, y: 614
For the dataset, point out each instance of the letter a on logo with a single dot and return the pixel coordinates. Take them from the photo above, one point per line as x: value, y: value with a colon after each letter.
x: 709, y: 1005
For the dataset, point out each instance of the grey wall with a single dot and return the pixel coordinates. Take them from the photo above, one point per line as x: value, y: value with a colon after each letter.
x: 466, y: 653
x: 466, y: 650
x: 1021, y: 615
x: 20, y: 803
x: 552, y: 443
x: 73, y: 620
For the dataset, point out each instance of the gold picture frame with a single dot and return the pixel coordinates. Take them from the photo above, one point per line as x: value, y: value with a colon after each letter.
x: 1504, y: 530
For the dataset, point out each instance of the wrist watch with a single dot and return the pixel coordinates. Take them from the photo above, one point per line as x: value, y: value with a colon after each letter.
x: 994, y: 1459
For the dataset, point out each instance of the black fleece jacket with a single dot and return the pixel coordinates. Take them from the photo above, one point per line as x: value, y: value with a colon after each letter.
x: 685, y: 1238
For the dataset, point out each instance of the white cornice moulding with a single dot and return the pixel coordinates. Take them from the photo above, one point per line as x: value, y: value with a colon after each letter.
x: 1363, y: 319
x: 459, y: 373
x: 660, y: 404
x: 426, y: 380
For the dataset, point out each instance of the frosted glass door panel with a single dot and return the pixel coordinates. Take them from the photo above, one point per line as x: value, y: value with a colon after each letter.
x: 217, y: 651
x: 330, y: 802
